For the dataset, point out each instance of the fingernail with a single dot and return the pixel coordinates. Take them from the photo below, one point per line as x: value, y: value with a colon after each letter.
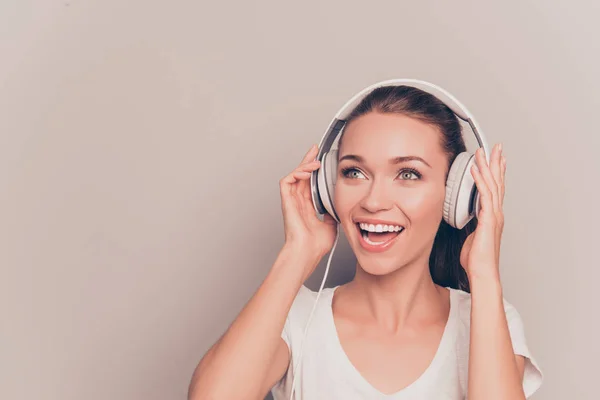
x: 500, y: 147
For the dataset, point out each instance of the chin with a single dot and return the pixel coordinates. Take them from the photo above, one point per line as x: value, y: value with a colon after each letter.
x: 378, y: 266
x: 378, y: 263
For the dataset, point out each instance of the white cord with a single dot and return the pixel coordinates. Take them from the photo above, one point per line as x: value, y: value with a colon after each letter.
x: 295, y: 371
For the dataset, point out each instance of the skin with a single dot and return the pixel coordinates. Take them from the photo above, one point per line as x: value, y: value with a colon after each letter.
x: 392, y: 311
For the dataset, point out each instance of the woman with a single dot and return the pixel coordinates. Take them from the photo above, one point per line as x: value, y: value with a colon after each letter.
x: 424, y: 316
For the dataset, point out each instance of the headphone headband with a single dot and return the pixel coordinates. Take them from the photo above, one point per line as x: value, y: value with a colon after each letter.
x: 339, y: 121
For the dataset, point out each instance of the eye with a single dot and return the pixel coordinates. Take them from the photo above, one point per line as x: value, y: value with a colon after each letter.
x: 406, y: 174
x: 352, y: 173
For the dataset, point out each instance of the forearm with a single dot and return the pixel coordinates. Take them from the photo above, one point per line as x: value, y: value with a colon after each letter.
x: 493, y: 372
x: 236, y: 366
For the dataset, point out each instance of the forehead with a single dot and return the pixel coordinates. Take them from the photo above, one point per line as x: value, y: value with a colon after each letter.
x: 383, y: 136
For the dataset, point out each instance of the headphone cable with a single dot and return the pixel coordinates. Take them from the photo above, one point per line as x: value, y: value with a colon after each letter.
x: 295, y: 370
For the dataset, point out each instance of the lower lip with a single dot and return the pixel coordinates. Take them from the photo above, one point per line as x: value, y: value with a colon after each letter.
x: 376, y: 248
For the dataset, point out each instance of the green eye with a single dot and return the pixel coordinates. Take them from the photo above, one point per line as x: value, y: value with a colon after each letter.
x: 352, y: 173
x: 407, y: 173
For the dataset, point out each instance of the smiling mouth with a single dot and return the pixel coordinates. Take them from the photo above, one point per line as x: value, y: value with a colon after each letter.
x: 378, y: 235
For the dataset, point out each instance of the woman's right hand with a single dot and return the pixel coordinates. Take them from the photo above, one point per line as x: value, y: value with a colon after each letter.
x: 303, y: 229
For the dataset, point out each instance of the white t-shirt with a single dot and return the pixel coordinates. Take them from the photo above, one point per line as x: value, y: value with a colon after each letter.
x: 326, y: 372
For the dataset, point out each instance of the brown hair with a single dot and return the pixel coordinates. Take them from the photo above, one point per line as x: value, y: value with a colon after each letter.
x: 444, y: 260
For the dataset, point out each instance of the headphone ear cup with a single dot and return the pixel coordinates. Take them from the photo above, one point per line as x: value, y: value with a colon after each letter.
x: 460, y: 189
x: 331, y: 167
x: 326, y: 180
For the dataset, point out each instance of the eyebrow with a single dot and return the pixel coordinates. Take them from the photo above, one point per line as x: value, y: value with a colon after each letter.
x: 395, y: 160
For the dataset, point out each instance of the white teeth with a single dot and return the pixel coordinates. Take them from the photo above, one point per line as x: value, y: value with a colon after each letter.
x: 380, y: 227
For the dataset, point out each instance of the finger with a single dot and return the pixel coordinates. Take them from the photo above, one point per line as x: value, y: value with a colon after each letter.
x: 495, y: 168
x: 488, y: 179
x: 300, y: 183
x: 301, y: 175
x: 286, y: 184
x: 304, y: 194
x: 485, y: 194
x: 310, y: 154
x: 303, y: 186
x: 309, y: 166
x: 305, y: 189
x: 503, y: 176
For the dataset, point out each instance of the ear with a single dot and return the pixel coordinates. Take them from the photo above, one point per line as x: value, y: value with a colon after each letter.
x: 326, y: 176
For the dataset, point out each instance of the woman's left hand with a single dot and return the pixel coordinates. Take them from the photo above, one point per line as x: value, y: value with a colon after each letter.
x: 480, y: 255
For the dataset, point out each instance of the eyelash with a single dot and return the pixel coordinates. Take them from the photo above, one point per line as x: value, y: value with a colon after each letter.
x: 346, y: 170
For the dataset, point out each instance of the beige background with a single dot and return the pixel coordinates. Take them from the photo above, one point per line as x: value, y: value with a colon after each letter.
x: 141, y: 144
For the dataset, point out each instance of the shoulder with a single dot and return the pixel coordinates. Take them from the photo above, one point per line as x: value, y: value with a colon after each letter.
x: 300, y: 311
x: 462, y: 303
x: 533, y: 377
x: 304, y: 295
x: 463, y: 306
x: 303, y: 302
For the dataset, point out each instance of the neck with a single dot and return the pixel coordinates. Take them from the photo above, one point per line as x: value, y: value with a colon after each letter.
x: 407, y: 297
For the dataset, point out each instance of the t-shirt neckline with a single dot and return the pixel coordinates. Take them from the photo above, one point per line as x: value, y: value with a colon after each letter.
x: 445, y: 345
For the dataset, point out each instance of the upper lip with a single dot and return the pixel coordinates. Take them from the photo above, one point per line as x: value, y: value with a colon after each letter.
x: 375, y: 221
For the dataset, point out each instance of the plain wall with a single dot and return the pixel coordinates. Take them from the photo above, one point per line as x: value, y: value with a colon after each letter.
x: 141, y: 145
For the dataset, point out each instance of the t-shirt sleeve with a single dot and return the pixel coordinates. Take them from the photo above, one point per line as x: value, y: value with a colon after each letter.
x: 292, y: 333
x: 532, y: 378
x: 297, y: 316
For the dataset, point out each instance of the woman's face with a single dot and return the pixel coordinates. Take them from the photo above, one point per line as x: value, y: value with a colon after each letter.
x: 378, y: 190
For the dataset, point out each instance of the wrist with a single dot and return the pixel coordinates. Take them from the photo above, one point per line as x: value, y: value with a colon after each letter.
x: 488, y: 283
x: 303, y: 251
x: 483, y: 273
x: 296, y: 259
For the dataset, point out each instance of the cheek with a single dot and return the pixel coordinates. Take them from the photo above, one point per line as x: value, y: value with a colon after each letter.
x: 425, y: 203
x: 347, y: 197
x: 342, y: 198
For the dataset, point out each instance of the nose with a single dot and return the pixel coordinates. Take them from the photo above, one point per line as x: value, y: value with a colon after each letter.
x: 377, y: 198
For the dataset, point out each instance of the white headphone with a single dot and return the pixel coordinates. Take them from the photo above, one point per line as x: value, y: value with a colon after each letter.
x: 462, y: 198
